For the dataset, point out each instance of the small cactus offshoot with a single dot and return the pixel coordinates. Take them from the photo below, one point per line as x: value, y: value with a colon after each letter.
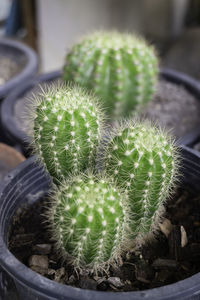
x: 87, y: 220
x: 120, y: 68
x: 144, y: 162
x: 67, y: 126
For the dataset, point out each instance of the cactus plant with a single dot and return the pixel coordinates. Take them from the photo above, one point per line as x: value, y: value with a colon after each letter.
x: 87, y: 221
x: 94, y: 216
x: 144, y: 161
x: 67, y: 124
x: 121, y: 69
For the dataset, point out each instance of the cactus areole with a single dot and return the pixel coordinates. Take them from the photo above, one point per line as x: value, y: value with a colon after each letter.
x: 120, y: 68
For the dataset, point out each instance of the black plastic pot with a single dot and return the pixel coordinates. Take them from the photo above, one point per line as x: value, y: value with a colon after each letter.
x: 12, y: 131
x: 26, y: 185
x: 18, y: 136
x: 23, y: 56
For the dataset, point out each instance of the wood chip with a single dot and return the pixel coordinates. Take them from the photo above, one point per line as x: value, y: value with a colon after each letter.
x: 174, y: 242
x: 184, y: 239
x: 166, y: 227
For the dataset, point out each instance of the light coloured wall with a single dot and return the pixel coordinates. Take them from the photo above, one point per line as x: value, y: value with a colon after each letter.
x: 62, y: 22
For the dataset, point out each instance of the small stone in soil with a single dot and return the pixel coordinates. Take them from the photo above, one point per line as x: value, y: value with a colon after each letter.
x: 161, y: 262
x: 116, y: 282
x: 39, y: 263
x: 43, y: 249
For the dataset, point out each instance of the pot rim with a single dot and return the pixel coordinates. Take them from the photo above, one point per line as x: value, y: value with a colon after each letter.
x: 29, y: 69
x: 17, y: 135
x: 26, y: 277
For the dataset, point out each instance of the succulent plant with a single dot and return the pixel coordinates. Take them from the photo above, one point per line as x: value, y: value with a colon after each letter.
x: 67, y: 126
x: 144, y: 162
x: 120, y: 68
x: 87, y: 220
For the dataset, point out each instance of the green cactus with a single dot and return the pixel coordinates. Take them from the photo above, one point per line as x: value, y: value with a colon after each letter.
x: 87, y: 221
x: 67, y: 126
x: 143, y: 161
x: 121, y: 69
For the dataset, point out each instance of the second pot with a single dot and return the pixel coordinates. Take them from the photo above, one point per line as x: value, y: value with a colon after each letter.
x: 16, y: 135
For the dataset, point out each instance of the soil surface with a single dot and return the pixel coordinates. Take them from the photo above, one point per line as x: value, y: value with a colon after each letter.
x: 172, y: 107
x: 172, y: 256
x: 8, y: 69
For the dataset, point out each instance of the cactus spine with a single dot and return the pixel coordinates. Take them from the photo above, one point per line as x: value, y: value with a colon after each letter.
x: 121, y: 69
x: 67, y: 125
x: 143, y: 161
x: 88, y: 221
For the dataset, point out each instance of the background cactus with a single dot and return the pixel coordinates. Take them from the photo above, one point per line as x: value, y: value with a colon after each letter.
x: 67, y: 125
x: 87, y: 220
x: 144, y: 161
x: 121, y: 69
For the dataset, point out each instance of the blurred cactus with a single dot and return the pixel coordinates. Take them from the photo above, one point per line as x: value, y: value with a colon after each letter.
x: 87, y: 221
x: 67, y: 125
x: 120, y: 68
x: 144, y: 162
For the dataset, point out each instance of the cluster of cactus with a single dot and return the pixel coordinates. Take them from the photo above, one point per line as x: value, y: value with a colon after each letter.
x: 96, y: 212
x: 120, y: 68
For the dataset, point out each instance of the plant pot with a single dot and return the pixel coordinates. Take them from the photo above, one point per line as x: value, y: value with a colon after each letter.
x: 27, y: 184
x: 8, y: 120
x: 25, y: 64
x: 16, y: 135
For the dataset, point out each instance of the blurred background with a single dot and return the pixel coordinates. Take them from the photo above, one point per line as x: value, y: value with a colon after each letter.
x: 52, y: 26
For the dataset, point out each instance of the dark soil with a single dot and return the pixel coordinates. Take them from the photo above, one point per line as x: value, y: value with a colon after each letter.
x: 172, y: 107
x: 174, y: 254
x: 8, y: 69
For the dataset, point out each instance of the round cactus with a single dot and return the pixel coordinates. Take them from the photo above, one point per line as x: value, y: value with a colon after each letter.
x: 121, y: 69
x: 144, y: 161
x: 87, y: 221
x: 67, y: 125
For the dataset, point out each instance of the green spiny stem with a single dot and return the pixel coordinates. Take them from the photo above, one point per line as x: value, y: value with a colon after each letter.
x: 67, y: 125
x: 87, y: 220
x: 121, y: 69
x: 144, y: 162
